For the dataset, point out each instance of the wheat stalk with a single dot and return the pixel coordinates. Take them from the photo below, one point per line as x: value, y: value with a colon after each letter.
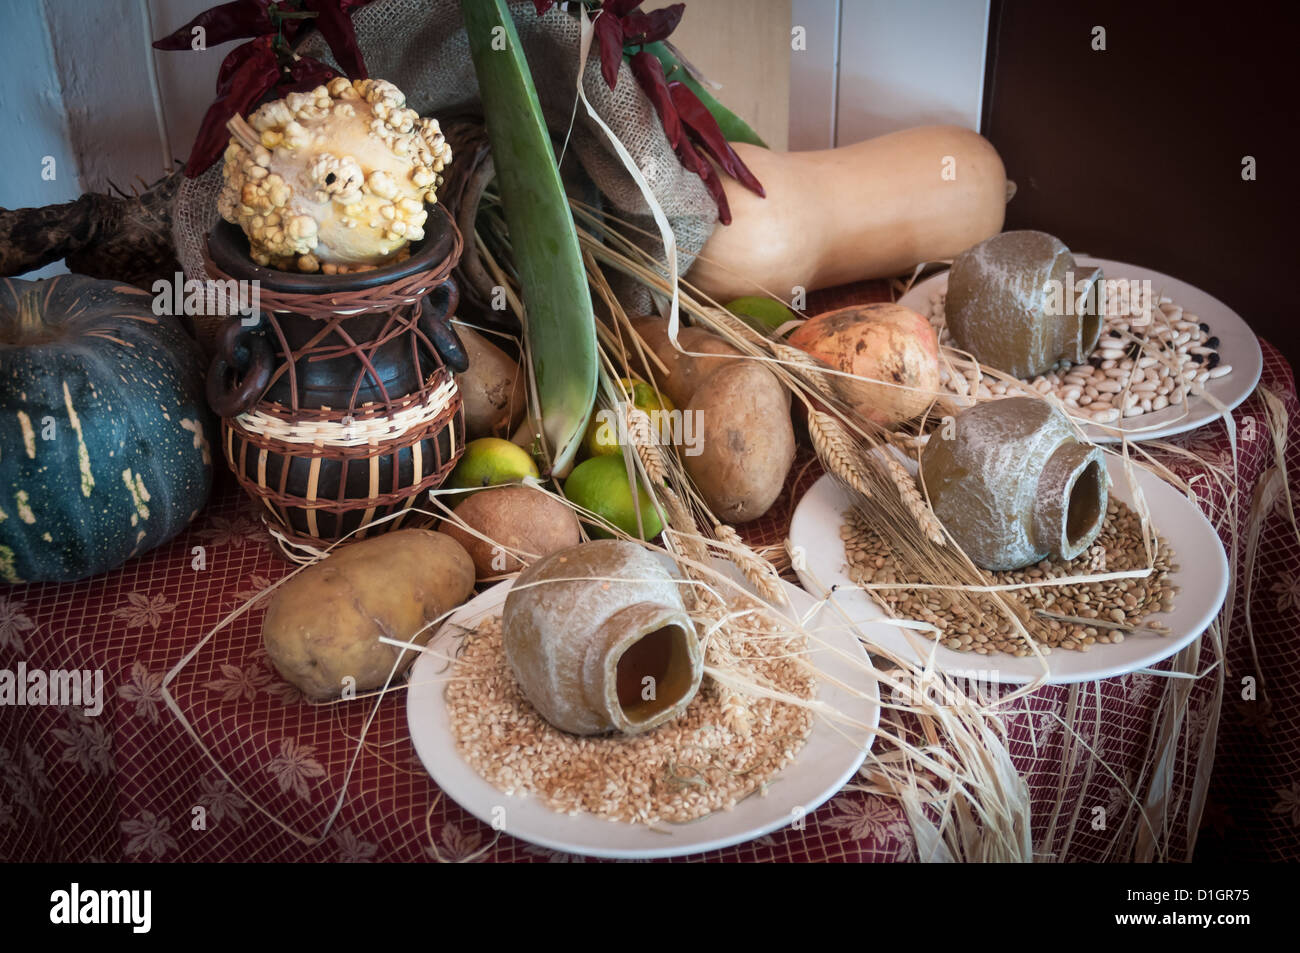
x: 738, y: 327
x: 836, y: 451
x: 911, y: 444
x: 760, y: 573
x: 682, y: 530
x: 913, y: 500
x: 642, y: 436
x: 811, y: 371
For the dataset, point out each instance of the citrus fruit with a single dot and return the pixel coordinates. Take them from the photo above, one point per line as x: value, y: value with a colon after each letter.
x: 601, y: 486
x: 764, y: 315
x: 489, y: 461
x: 602, y: 431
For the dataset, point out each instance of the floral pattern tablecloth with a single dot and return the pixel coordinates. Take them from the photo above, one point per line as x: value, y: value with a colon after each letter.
x: 260, y: 774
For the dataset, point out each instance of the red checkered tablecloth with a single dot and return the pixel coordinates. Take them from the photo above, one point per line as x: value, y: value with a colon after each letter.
x: 263, y: 771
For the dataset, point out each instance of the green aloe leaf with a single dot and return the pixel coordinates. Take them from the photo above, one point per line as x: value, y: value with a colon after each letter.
x: 560, y: 323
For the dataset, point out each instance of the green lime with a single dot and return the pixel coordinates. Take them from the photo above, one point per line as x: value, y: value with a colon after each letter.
x: 489, y: 461
x: 764, y: 315
x: 602, y: 432
x: 601, y: 485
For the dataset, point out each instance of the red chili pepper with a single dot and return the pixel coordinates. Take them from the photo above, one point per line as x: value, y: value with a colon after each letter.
x: 247, y: 73
x: 692, y: 161
x: 610, y: 34
x: 229, y: 21
x: 641, y: 28
x: 704, y: 130
x: 649, y: 73
x: 336, y: 27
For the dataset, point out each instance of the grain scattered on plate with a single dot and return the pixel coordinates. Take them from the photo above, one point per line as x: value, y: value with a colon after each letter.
x: 692, y: 766
x: 1076, y: 616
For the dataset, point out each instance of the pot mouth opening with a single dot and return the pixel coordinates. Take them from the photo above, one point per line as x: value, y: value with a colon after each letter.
x: 1083, y: 507
x: 1091, y: 307
x: 654, y: 673
x: 1090, y: 333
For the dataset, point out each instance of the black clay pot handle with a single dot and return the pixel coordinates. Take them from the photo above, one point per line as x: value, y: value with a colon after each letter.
x: 240, y: 369
x: 435, y: 321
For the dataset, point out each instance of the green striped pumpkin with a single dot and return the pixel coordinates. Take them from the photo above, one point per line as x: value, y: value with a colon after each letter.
x: 104, y: 428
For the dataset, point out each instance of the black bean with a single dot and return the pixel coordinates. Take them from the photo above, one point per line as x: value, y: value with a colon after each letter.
x: 1213, y: 362
x: 1212, y: 342
x: 1205, y: 328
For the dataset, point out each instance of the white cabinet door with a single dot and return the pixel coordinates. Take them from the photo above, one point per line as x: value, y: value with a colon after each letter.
x: 874, y: 66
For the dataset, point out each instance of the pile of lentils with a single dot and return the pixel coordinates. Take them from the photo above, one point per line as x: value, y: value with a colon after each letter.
x: 1132, y: 371
x: 1107, y: 610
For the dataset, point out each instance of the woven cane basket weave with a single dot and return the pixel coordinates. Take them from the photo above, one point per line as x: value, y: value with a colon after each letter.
x: 355, y: 415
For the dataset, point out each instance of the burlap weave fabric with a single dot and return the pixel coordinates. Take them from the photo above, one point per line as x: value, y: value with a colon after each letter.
x: 421, y: 47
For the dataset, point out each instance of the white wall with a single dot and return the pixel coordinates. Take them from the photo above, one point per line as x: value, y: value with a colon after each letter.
x: 99, y: 50
x: 35, y: 123
x: 874, y: 66
x: 76, y: 85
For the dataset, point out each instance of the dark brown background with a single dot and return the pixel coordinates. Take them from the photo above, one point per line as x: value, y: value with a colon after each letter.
x: 1135, y: 153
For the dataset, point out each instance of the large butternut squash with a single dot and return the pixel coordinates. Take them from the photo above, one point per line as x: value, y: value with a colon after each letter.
x: 868, y: 210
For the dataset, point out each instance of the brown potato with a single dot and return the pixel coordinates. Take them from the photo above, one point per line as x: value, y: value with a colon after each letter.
x: 324, y: 624
x: 492, y: 390
x: 520, y: 518
x: 747, y: 441
x: 686, y: 373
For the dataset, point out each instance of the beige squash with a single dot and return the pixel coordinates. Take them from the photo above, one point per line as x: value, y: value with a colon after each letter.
x: 868, y: 210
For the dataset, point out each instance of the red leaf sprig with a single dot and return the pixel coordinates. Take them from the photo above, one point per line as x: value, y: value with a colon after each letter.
x: 267, y: 62
x: 247, y: 72
x: 689, y: 126
x: 237, y: 20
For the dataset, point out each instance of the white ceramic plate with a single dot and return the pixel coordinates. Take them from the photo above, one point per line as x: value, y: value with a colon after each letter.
x: 1203, y: 576
x: 831, y: 756
x: 1238, y: 346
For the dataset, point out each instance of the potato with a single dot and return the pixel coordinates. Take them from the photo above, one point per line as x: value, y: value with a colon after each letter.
x: 686, y: 373
x: 519, y: 518
x: 492, y: 390
x: 747, y: 441
x: 324, y: 624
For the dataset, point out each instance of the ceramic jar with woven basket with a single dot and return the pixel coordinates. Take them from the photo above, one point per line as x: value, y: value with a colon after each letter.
x: 339, y: 406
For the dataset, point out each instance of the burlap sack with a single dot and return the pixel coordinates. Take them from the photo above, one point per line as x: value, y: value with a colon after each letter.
x: 421, y: 47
